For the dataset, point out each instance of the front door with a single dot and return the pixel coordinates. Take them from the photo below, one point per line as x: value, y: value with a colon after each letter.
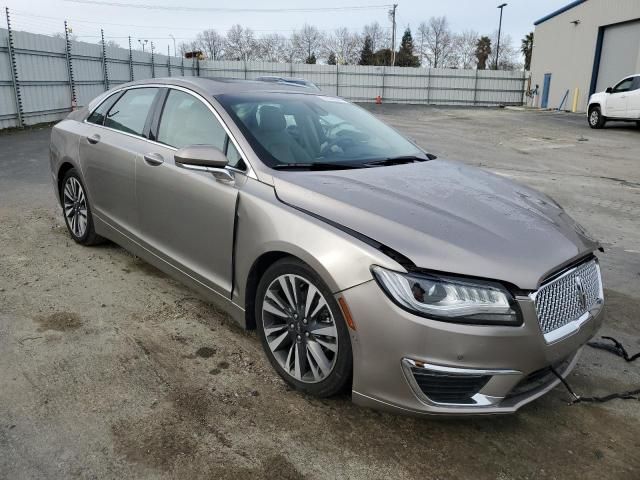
x: 108, y: 150
x: 544, y: 103
x: 617, y: 99
x: 633, y: 100
x: 187, y: 217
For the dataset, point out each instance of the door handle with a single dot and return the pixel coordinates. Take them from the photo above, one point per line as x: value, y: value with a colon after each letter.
x: 153, y: 159
x: 93, y: 139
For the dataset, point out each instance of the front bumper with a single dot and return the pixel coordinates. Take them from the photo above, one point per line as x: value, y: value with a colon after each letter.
x: 510, y: 364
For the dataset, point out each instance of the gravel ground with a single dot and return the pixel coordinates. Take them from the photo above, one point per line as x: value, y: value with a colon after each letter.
x: 110, y: 369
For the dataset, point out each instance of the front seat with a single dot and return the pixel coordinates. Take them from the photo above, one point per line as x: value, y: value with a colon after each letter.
x: 272, y: 134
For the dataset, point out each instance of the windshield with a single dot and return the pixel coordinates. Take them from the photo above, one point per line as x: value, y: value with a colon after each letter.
x: 289, y: 129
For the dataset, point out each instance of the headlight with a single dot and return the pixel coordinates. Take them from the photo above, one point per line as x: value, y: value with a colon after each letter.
x: 450, y: 299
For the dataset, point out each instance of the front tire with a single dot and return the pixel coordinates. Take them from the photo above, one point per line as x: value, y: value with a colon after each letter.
x: 76, y: 210
x: 302, y: 329
x: 596, y: 119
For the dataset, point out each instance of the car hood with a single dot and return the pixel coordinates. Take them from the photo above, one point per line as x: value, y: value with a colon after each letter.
x: 445, y: 216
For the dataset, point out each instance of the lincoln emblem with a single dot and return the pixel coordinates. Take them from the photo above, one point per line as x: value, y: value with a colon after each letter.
x: 581, y: 294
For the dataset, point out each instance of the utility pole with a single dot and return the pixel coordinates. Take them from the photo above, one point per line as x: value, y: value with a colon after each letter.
x: 143, y: 43
x: 499, y: 32
x: 392, y: 13
x: 174, y: 44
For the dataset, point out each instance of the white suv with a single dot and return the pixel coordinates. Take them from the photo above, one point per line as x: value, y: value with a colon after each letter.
x: 621, y: 102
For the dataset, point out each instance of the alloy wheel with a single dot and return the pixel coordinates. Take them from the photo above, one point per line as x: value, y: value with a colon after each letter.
x: 300, y: 328
x: 594, y: 117
x: 75, y: 207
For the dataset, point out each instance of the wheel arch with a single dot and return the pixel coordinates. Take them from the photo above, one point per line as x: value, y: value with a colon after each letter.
x: 258, y: 269
x: 65, y: 166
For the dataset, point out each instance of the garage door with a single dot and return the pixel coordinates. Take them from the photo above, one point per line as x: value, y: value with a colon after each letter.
x: 620, y: 54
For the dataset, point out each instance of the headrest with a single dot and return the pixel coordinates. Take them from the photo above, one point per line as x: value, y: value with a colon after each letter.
x: 271, y: 119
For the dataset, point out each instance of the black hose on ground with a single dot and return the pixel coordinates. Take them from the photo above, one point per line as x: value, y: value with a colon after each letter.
x: 616, y: 349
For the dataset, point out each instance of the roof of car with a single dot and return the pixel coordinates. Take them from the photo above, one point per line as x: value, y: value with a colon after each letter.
x: 218, y: 86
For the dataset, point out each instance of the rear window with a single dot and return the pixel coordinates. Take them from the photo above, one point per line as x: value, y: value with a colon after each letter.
x: 129, y: 113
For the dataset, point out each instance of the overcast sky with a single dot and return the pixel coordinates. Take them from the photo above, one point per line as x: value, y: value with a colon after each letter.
x: 46, y: 16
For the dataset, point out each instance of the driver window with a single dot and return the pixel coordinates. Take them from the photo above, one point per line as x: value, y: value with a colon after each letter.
x: 623, y: 86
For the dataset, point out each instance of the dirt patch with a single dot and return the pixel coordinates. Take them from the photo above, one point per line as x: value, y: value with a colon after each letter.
x: 59, y: 321
x: 205, y: 352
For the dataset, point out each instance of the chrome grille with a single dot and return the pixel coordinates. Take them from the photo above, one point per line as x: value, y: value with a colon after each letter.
x: 569, y: 296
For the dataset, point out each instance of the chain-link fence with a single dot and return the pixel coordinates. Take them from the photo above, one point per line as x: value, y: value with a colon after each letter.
x: 43, y: 77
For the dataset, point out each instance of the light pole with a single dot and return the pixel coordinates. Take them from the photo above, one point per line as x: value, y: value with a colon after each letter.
x: 174, y: 44
x: 143, y: 43
x: 499, y: 31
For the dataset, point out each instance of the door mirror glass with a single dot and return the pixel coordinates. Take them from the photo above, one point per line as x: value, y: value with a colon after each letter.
x: 609, y: 90
x: 204, y: 156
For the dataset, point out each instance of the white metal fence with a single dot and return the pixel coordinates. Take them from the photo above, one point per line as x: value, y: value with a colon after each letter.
x: 41, y: 76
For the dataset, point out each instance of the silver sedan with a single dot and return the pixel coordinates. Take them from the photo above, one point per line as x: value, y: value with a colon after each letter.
x: 365, y: 263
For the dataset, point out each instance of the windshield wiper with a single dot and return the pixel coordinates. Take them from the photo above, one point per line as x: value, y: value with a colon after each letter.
x: 401, y: 160
x: 316, y: 166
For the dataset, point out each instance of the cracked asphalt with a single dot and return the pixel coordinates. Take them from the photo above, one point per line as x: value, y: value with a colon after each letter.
x: 110, y: 369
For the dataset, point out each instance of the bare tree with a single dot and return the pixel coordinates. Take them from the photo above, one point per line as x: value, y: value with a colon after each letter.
x: 185, y: 47
x: 509, y: 54
x: 211, y: 43
x: 240, y: 44
x: 109, y: 43
x: 464, y: 49
x: 379, y: 38
x: 436, y: 41
x: 345, y: 45
x: 307, y: 42
x: 274, y: 48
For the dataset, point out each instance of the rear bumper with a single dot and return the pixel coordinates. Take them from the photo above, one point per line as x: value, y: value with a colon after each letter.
x: 394, y: 350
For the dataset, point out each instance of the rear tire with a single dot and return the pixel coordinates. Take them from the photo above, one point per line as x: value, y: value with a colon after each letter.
x: 596, y: 119
x: 308, y: 345
x: 76, y: 210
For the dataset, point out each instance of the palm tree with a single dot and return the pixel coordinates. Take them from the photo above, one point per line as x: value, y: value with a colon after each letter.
x: 527, y: 49
x: 483, y: 50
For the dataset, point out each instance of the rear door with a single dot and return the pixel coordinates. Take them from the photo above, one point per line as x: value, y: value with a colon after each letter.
x: 187, y: 217
x: 617, y: 99
x: 115, y: 134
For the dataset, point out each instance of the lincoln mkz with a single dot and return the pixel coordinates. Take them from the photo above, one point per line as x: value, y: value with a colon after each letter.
x: 364, y: 263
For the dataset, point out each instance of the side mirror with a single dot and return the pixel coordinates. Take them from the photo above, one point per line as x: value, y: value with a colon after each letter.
x: 609, y: 90
x: 204, y: 158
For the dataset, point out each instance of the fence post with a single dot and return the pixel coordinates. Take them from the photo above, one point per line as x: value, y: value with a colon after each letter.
x: 428, y: 85
x: 198, y: 66
x: 244, y: 68
x: 67, y: 49
x: 14, y: 71
x: 384, y: 73
x: 153, y: 66
x: 105, y: 73
x: 337, y: 80
x: 168, y: 60
x: 475, y: 89
x: 130, y: 62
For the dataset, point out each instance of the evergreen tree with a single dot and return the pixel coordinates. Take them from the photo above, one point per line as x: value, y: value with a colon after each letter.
x: 382, y: 57
x: 367, y: 57
x: 332, y: 59
x: 405, y: 56
x: 311, y: 59
x: 483, y: 51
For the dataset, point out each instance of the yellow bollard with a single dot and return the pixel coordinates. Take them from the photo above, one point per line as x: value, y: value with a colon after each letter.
x: 574, y: 107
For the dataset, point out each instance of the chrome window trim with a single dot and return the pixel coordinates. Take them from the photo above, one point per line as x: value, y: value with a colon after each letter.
x: 481, y: 400
x: 575, y: 325
x: 249, y: 172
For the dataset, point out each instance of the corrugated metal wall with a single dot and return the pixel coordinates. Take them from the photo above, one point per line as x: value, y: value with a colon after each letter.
x: 45, y: 87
